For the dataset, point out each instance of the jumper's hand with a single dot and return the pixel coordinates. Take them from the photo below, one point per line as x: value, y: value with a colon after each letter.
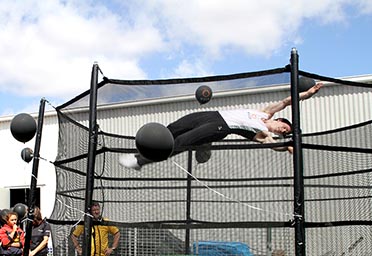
x: 315, y: 88
x: 307, y: 94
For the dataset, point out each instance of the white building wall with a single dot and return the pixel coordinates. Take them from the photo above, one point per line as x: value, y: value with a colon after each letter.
x: 16, y: 173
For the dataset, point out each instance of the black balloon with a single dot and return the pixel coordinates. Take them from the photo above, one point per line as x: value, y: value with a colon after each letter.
x: 203, y: 94
x: 154, y: 141
x: 305, y: 83
x: 21, y: 210
x: 27, y: 154
x: 3, y: 214
x: 23, y: 127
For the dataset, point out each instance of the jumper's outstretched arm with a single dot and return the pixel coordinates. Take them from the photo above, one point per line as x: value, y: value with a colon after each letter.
x: 278, y: 106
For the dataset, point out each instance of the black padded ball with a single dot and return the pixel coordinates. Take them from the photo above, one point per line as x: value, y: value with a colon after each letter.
x: 27, y: 154
x: 154, y: 141
x: 203, y: 153
x: 23, y: 127
x: 305, y: 83
x: 203, y: 94
x: 202, y: 156
x: 21, y: 210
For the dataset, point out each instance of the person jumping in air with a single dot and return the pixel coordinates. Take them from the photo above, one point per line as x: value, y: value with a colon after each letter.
x: 203, y: 128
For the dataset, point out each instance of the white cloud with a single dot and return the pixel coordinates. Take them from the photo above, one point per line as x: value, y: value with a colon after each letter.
x: 365, y: 6
x: 48, y: 47
x: 256, y: 27
x: 190, y: 69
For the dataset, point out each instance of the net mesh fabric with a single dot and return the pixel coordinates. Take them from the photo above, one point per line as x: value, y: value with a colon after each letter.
x: 243, y: 194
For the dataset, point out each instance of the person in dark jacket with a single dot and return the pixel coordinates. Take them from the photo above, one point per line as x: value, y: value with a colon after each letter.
x: 40, y: 235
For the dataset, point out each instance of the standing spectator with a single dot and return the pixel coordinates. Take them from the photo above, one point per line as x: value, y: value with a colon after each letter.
x: 12, y: 237
x: 40, y: 235
x: 100, y: 235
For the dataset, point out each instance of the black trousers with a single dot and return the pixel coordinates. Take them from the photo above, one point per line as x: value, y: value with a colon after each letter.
x: 198, y: 128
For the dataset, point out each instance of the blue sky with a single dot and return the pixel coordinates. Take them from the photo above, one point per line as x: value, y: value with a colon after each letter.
x: 48, y: 47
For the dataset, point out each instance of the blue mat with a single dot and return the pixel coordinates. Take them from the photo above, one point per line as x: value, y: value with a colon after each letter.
x: 216, y: 248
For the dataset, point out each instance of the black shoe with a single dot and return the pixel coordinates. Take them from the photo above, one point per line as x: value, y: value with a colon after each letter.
x: 203, y: 153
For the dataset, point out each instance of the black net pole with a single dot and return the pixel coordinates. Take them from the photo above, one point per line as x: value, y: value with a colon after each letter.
x: 33, y: 185
x: 188, y: 203
x: 297, y: 160
x: 93, y: 133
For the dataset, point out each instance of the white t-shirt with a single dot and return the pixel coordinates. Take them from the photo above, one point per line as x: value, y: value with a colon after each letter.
x: 245, y: 119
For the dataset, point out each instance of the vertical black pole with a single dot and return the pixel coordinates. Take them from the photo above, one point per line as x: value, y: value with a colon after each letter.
x: 299, y: 212
x: 188, y: 203
x: 93, y: 134
x: 33, y: 185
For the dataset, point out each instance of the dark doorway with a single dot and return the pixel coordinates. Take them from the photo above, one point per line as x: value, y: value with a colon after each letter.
x: 21, y: 195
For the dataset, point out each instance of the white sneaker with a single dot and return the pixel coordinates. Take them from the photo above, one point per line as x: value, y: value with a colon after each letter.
x: 129, y: 161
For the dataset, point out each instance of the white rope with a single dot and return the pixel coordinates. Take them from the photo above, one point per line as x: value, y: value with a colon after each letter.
x: 229, y: 198
x: 26, y: 219
x: 83, y: 213
x: 44, y: 159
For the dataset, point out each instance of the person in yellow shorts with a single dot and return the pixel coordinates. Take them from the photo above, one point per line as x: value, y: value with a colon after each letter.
x: 100, y: 235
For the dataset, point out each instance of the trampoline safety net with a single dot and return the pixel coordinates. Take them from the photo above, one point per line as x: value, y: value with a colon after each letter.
x: 240, y: 202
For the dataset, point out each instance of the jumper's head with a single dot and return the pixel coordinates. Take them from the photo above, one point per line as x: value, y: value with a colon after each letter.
x: 283, y: 127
